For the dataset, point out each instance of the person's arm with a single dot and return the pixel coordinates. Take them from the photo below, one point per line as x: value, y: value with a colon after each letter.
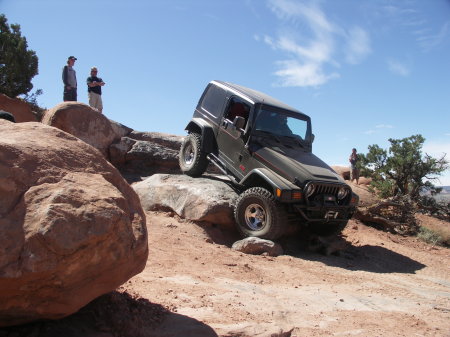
x: 91, y: 83
x: 65, y: 77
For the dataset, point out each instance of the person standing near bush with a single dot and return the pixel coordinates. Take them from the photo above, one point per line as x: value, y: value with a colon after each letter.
x: 69, y: 78
x: 353, y: 159
x: 95, y: 85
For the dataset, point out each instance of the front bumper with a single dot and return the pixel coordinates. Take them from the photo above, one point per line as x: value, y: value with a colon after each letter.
x: 325, y: 214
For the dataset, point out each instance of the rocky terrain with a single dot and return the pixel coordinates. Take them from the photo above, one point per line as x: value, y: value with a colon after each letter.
x: 194, y: 284
x: 363, y: 283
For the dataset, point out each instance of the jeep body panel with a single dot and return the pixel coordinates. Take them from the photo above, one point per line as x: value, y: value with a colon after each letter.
x: 296, y: 165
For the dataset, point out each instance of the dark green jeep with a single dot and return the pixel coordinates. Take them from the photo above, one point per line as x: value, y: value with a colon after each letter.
x: 264, y: 147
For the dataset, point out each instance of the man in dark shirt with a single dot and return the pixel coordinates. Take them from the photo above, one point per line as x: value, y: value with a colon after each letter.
x: 69, y: 78
x: 95, y: 85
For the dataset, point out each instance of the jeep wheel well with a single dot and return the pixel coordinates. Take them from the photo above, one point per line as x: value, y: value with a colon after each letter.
x: 208, y: 141
x: 194, y: 128
x: 258, y: 181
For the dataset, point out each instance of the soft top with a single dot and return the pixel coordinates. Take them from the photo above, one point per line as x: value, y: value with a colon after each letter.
x: 256, y: 96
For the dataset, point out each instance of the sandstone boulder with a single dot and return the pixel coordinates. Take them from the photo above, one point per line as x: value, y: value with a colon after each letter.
x: 343, y: 171
x: 209, y: 198
x: 257, y: 246
x: 83, y: 122
x: 146, y: 153
x: 18, y: 108
x: 119, y: 130
x: 71, y: 228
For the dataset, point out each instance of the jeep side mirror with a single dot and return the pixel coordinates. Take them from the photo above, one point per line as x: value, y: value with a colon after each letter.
x: 239, y: 122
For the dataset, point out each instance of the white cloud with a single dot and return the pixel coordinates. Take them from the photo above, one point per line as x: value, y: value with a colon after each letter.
x: 369, y: 132
x: 302, y: 75
x: 384, y: 126
x: 437, y: 149
x: 288, y: 9
x: 443, y: 180
x: 398, y: 68
x: 308, y: 58
x: 413, y: 21
x: 428, y: 41
x: 358, y: 45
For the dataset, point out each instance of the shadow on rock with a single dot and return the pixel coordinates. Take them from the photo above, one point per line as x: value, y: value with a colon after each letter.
x: 176, y: 325
x: 117, y: 314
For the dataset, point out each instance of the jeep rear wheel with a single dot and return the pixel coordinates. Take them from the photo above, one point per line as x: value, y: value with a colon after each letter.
x: 193, y: 161
x: 258, y: 214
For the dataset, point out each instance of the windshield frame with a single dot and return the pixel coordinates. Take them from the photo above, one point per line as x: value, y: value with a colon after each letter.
x: 307, y: 139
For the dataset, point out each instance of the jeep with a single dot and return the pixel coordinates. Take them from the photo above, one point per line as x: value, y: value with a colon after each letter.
x: 265, y: 148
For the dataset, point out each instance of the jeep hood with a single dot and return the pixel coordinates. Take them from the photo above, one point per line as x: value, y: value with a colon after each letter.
x: 295, y: 163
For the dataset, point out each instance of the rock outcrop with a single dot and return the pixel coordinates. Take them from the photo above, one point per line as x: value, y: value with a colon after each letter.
x: 146, y: 153
x: 344, y: 172
x: 18, y: 108
x: 71, y: 228
x: 83, y: 122
x: 208, y: 199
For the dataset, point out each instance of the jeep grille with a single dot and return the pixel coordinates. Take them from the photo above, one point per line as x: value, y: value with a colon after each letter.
x: 315, y: 192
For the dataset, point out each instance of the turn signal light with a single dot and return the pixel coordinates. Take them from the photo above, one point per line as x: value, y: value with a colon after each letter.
x: 296, y: 195
x: 278, y: 193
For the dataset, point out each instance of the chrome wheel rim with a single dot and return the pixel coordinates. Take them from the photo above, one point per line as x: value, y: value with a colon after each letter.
x: 188, y: 156
x: 255, y: 217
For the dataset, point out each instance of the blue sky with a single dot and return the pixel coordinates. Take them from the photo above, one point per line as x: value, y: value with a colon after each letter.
x: 365, y: 71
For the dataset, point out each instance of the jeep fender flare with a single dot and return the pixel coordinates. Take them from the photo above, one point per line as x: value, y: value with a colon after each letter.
x: 275, y: 181
x: 200, y: 126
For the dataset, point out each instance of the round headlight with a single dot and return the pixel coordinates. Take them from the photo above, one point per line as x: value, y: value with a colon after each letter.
x: 342, y: 193
x: 309, y: 190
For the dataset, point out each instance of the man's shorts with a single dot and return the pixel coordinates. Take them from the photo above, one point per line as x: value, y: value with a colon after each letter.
x: 95, y: 101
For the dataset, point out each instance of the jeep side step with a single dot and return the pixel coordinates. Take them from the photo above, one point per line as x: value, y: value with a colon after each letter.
x: 216, y: 161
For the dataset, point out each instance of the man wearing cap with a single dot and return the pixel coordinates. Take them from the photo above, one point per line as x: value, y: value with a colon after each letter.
x: 95, y: 85
x: 69, y: 78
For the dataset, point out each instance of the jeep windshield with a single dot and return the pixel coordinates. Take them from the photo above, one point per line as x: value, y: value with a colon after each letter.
x: 282, y: 125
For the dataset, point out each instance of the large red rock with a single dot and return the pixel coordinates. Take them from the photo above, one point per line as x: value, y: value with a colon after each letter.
x: 83, y: 122
x: 18, y: 108
x: 71, y: 228
x: 343, y: 171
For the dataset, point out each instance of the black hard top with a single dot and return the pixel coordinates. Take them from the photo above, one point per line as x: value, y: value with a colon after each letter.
x: 256, y: 96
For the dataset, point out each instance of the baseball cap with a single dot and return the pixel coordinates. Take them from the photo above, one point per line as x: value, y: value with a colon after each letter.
x: 71, y: 58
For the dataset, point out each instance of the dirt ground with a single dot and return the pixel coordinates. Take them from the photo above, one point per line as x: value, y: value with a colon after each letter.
x: 377, y: 284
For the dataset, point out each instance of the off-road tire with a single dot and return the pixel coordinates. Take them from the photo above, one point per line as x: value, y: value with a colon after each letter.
x: 257, y: 213
x: 192, y: 159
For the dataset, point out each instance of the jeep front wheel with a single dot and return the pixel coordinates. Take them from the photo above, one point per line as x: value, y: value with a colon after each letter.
x: 193, y: 161
x: 258, y: 214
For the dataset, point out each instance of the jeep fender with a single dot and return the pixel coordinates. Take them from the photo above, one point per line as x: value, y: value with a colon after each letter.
x: 198, y: 125
x: 257, y: 176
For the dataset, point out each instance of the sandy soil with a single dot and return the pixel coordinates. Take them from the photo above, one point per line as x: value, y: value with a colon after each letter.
x: 379, y: 284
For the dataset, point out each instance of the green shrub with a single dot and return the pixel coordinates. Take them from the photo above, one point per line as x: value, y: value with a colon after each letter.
x: 429, y: 236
